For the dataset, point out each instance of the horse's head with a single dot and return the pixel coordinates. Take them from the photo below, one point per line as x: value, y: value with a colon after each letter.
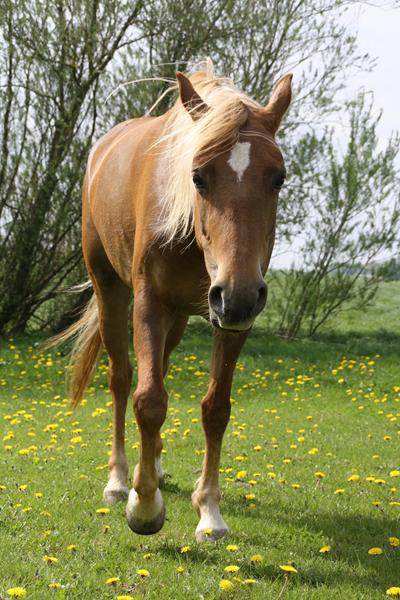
x: 235, y: 206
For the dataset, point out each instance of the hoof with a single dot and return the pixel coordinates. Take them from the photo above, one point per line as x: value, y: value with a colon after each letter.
x: 207, y: 536
x: 142, y: 519
x: 114, y: 493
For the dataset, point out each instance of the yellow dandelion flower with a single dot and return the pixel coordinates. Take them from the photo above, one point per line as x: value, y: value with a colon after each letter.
x: 112, y: 581
x: 142, y: 573
x: 125, y: 597
x: 375, y: 551
x: 71, y: 548
x: 17, y: 592
x: 249, y: 581
x: 296, y: 486
x: 394, y: 541
x: 325, y: 549
x: 232, y: 547
x: 231, y: 569
x: 185, y: 549
x: 339, y: 491
x: 394, y: 473
x: 102, y: 511
x: 148, y: 555
x: 180, y: 569
x: 257, y: 558
x: 288, y: 568
x: 319, y: 474
x: 50, y: 559
x: 393, y: 591
x: 225, y: 585
x: 354, y: 477
x: 54, y: 585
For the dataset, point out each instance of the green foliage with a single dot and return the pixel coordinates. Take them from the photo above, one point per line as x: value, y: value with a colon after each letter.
x: 60, y: 63
x: 351, y: 214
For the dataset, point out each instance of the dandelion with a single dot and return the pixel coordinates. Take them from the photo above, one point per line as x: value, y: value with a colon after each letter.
x: 249, y: 581
x: 325, y: 549
x: 288, y: 568
x: 112, y: 581
x: 393, y: 591
x: 354, y: 477
x: 375, y: 551
x: 225, y: 585
x: 394, y: 541
x: 232, y: 547
x: 125, y: 597
x: 180, y: 569
x: 339, y: 491
x: 256, y: 558
x: 50, y: 559
x: 17, y: 592
x: 185, y: 549
x: 231, y: 569
x: 394, y: 473
x: 102, y: 511
x: 71, y: 548
x: 54, y: 585
x: 143, y: 573
x: 319, y: 475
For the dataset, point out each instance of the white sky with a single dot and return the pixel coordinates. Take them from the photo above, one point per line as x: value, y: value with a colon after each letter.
x: 379, y: 35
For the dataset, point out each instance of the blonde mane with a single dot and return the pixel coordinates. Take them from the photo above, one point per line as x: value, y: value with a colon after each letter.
x: 186, y: 142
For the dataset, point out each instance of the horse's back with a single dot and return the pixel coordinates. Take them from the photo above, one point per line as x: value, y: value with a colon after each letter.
x: 116, y: 180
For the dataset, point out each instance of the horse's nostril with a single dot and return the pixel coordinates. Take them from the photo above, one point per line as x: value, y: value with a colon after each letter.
x: 262, y: 296
x: 215, y: 297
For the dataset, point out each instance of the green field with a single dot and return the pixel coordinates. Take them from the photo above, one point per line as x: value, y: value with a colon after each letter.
x: 311, y: 459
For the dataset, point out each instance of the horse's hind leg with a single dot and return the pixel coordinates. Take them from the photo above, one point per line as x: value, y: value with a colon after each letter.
x: 113, y: 299
x: 173, y: 338
x: 215, y: 412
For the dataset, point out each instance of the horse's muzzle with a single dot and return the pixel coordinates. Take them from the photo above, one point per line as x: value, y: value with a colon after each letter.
x: 235, y: 308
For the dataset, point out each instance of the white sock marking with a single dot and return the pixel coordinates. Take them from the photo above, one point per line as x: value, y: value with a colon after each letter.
x: 240, y: 158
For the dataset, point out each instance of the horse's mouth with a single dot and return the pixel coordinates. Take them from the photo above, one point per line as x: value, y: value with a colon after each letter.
x: 230, y: 327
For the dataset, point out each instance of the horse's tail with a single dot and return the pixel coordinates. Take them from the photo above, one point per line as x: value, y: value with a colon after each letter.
x: 86, y: 350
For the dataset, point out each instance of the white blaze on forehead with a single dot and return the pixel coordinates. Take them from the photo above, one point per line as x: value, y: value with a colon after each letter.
x: 240, y: 158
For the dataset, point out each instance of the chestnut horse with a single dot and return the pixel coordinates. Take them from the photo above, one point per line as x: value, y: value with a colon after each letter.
x: 181, y: 210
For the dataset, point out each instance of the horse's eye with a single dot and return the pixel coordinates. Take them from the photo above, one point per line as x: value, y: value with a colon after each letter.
x: 198, y: 181
x: 278, y: 180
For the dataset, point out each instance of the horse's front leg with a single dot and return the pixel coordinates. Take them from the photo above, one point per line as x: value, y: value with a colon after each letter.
x: 145, y: 509
x: 216, y: 410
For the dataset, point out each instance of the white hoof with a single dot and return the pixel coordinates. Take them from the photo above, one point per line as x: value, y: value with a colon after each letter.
x: 145, y: 516
x: 211, y: 528
x: 115, y: 491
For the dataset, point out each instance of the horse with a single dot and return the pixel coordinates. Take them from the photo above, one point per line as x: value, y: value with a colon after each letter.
x: 179, y: 211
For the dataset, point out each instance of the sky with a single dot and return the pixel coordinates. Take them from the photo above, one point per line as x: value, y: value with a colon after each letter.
x: 378, y: 34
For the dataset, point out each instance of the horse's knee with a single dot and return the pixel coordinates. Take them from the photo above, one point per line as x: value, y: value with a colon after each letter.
x: 150, y: 405
x: 215, y: 414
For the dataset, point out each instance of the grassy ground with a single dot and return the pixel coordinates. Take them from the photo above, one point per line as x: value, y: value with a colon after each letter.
x: 311, y: 459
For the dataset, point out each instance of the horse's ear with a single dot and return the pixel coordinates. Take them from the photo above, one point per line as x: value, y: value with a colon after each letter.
x: 278, y: 104
x: 191, y: 100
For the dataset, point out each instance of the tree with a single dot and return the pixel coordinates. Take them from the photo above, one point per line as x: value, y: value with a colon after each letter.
x: 60, y: 61
x: 353, y: 216
x: 53, y: 56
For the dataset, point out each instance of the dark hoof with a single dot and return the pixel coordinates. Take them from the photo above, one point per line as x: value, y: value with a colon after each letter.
x: 146, y: 527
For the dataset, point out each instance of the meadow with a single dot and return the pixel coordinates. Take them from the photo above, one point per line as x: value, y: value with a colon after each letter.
x: 310, y: 473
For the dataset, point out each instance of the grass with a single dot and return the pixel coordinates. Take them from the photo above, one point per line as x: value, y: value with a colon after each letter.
x: 329, y: 407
